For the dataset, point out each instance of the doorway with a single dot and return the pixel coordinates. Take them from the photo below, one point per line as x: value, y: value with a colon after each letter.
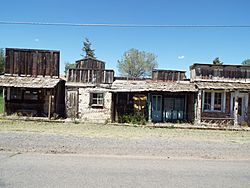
x: 174, y: 109
x: 156, y: 108
x: 242, y: 106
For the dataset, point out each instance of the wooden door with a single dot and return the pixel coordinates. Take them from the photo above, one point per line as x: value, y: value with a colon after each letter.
x: 72, y: 103
x: 156, y: 108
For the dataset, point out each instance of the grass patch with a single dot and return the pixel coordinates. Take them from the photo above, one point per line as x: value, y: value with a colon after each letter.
x: 124, y: 132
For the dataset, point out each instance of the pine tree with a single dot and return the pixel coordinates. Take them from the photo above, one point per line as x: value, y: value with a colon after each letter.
x: 87, y: 49
x: 217, y: 61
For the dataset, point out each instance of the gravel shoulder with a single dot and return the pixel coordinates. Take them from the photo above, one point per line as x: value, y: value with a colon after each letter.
x: 113, y: 140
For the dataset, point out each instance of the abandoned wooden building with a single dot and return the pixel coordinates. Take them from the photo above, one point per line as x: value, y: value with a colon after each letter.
x: 223, y: 93
x: 166, y: 97
x: 214, y: 93
x: 88, y: 94
x: 31, y: 83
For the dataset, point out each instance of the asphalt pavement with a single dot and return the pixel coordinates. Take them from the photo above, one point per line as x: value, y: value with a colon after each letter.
x: 76, y: 170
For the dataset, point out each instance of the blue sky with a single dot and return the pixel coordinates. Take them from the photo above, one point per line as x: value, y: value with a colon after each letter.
x: 176, y: 48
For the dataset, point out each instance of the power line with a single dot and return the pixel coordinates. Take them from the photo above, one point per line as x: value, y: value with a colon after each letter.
x: 122, y: 25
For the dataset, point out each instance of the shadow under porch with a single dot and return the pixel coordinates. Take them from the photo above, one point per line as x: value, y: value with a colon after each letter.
x: 154, y: 106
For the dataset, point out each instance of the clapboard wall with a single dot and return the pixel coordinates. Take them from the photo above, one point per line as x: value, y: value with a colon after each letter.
x: 32, y: 62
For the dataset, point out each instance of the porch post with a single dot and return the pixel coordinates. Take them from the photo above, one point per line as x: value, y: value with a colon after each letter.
x: 49, y: 110
x: 236, y: 105
x: 149, y: 108
x: 116, y: 104
x: 198, y: 109
x: 4, y: 102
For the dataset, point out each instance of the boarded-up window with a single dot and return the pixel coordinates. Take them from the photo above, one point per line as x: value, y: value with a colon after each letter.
x: 96, y: 99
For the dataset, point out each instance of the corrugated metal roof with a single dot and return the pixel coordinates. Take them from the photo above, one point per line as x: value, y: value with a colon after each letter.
x: 149, y: 85
x: 28, y: 82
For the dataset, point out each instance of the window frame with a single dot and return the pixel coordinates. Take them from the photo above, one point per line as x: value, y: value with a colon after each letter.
x: 97, y: 104
x: 212, y: 102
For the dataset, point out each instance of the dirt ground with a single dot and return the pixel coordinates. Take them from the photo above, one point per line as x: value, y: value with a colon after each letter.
x: 42, y: 137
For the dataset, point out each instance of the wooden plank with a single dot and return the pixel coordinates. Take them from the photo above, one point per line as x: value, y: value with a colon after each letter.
x: 8, y: 61
x: 33, y: 65
x: 236, y: 106
x: 15, y: 62
x: 49, y: 110
x: 198, y: 109
x: 57, y: 65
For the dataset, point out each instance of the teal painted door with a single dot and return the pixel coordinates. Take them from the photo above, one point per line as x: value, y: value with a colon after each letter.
x: 156, y: 108
x: 174, y: 109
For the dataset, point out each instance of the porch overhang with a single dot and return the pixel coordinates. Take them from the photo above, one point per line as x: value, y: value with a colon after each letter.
x: 231, y: 86
x: 151, y: 86
x: 28, y: 82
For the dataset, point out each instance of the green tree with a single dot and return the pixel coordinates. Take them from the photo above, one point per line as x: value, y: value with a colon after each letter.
x: 246, y: 62
x: 137, y: 64
x: 87, y: 49
x: 2, y: 60
x: 217, y: 61
x: 68, y: 66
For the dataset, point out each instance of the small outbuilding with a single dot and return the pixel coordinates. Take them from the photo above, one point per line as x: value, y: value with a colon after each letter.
x: 31, y: 83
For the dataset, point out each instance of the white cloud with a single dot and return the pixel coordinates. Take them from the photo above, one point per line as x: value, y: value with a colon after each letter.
x: 181, y: 57
x: 36, y: 40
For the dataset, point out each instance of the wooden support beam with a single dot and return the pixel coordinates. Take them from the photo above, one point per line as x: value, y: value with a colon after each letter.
x: 4, y: 102
x: 49, y: 110
x: 88, y: 78
x: 198, y: 108
x: 236, y: 106
x: 149, y: 108
x: 116, y: 104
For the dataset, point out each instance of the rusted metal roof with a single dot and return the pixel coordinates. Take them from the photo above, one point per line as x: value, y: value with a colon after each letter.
x: 223, y: 85
x: 149, y: 85
x: 28, y: 82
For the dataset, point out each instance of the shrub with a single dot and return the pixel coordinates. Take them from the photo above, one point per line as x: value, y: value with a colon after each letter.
x: 132, y: 118
x: 244, y: 124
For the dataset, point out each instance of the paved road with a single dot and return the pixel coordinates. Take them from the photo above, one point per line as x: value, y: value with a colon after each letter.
x: 57, y: 170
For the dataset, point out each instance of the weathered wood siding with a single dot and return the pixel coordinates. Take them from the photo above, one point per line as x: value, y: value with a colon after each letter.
x: 220, y: 73
x: 90, y: 76
x: 72, y: 102
x: 60, y: 99
x: 90, y: 63
x: 190, y: 107
x: 30, y: 62
x: 248, y: 113
x: 168, y: 75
